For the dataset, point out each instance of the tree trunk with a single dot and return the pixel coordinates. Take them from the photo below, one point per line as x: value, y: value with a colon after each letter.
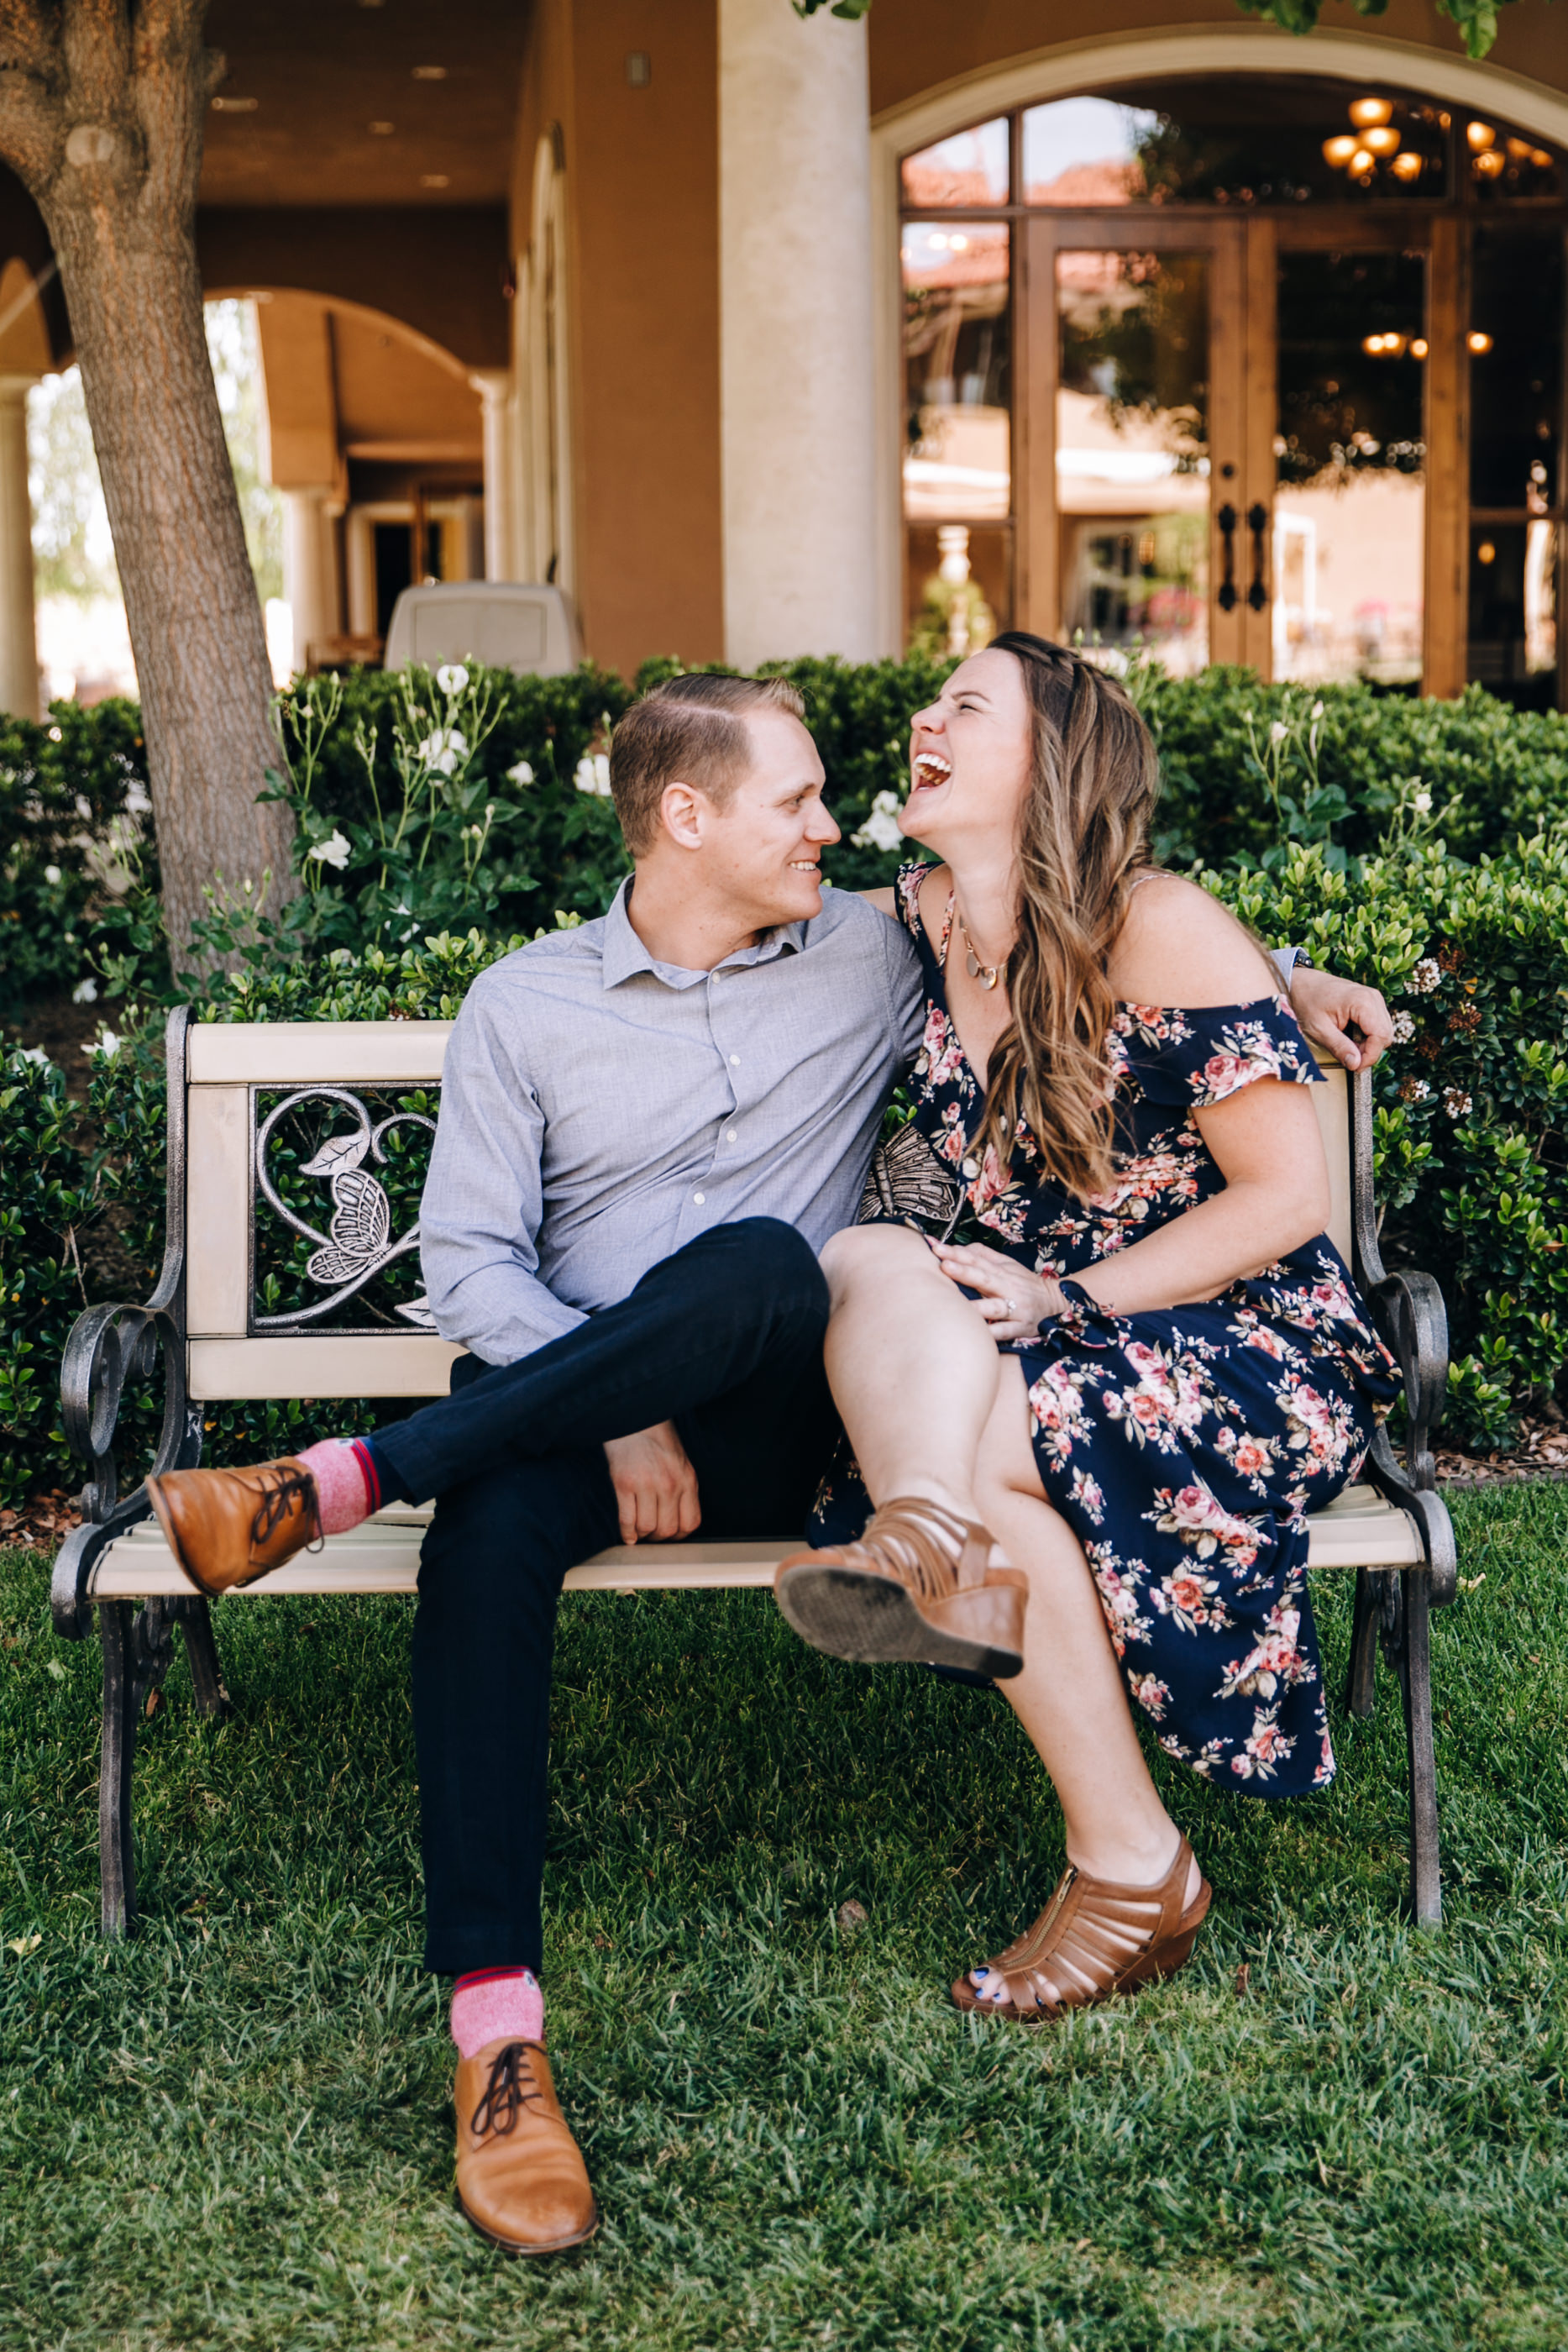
x: 101, y: 116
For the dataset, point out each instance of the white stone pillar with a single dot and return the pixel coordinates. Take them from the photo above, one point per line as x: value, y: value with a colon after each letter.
x: 498, y: 422
x: 310, y: 588
x: 796, y: 335
x: 18, y: 633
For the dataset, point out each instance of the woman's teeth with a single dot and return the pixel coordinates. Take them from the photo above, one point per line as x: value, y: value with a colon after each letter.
x: 931, y: 768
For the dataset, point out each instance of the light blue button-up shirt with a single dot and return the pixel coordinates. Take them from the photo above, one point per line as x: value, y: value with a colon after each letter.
x: 598, y: 1111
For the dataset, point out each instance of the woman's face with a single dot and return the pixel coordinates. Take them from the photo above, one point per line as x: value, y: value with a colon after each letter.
x: 970, y: 753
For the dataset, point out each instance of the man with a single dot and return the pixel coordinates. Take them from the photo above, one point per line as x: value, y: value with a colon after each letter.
x: 649, y: 1127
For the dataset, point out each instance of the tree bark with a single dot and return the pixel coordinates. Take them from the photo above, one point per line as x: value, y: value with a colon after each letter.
x: 103, y: 104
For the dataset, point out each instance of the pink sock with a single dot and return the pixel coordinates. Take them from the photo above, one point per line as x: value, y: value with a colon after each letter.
x: 346, y: 1483
x: 495, y: 2005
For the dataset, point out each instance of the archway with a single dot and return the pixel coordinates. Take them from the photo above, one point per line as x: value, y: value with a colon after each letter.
x: 1224, y: 250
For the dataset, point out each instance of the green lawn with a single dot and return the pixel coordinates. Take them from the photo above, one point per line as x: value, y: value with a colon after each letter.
x: 236, y: 2129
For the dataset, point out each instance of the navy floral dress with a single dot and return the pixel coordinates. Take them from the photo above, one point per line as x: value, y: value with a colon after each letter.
x: 1185, y: 1447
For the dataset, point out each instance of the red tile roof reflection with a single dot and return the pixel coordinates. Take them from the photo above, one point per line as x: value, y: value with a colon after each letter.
x: 984, y: 263
x: 1090, y: 184
x: 939, y: 185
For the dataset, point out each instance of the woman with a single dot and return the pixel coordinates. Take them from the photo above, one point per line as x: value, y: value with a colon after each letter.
x: 1120, y: 1405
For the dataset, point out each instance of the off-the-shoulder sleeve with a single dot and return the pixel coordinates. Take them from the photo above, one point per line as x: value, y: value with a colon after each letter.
x: 1200, y: 1055
x: 907, y: 894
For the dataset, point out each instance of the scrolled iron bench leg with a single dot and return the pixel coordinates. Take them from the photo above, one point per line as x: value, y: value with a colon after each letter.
x: 1415, y: 1680
x: 117, y: 1752
x: 1361, y: 1682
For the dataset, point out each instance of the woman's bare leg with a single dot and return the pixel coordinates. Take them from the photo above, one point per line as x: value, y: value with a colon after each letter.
x: 1070, y: 1698
x: 913, y: 1366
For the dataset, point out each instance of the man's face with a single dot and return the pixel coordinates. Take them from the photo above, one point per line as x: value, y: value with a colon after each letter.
x: 761, y: 854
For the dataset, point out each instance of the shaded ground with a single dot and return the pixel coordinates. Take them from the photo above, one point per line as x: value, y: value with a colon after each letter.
x: 236, y: 2131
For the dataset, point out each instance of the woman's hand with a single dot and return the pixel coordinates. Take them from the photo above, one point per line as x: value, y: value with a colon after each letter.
x: 1013, y: 1301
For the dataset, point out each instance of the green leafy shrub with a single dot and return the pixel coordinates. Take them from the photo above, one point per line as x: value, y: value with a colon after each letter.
x: 73, y: 798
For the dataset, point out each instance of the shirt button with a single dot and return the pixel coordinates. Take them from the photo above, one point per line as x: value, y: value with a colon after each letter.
x: 699, y: 1197
x: 729, y: 1135
x: 734, y: 1057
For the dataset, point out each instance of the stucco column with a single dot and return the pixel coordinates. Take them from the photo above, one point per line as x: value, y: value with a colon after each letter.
x: 310, y: 567
x: 797, y: 351
x: 18, y: 635
x: 498, y: 422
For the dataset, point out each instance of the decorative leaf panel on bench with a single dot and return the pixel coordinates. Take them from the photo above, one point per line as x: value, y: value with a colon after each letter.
x: 337, y: 1174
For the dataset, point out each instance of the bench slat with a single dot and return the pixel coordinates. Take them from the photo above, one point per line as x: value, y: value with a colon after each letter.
x: 1359, y: 1530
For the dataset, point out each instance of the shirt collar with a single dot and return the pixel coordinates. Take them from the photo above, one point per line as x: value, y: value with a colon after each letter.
x: 624, y: 953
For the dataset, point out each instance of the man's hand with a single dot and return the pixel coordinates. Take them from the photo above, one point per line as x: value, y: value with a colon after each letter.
x: 1327, y: 1006
x: 655, y: 1486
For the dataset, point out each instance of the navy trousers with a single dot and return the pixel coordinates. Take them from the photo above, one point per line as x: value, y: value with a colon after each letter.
x: 725, y: 1339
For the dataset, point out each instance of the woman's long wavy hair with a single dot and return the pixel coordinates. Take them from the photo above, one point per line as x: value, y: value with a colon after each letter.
x: 1084, y: 834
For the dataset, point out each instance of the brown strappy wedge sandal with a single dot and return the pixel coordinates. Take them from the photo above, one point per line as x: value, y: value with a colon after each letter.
x: 1093, y: 1939
x: 917, y: 1586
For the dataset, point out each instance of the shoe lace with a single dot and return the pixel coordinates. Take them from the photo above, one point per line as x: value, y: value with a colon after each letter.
x: 279, y: 1492
x: 511, y: 2086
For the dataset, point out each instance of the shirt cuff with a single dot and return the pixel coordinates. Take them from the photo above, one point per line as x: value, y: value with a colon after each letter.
x: 1284, y: 962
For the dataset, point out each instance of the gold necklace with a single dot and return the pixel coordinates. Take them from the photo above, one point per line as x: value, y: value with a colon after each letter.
x: 988, y: 974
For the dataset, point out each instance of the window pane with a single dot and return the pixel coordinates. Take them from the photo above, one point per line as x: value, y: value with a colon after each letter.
x: 1516, y: 366
x: 1240, y: 139
x: 1349, y: 514
x: 1513, y: 611
x: 971, y: 168
x: 1131, y: 450
x: 957, y: 468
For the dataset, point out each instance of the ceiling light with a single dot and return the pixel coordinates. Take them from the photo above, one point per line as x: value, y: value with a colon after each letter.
x: 938, y: 241
x: 1419, y: 347
x: 381, y: 130
x: 1490, y: 165
x: 1407, y: 167
x: 235, y: 105
x: 959, y: 244
x: 1479, y: 343
x: 1382, y: 140
x: 1362, y: 163
x: 1486, y: 553
x: 1541, y: 159
x: 1338, y: 152
x: 1373, y: 346
x: 429, y: 73
x: 434, y: 180
x: 1480, y: 135
x: 1365, y: 111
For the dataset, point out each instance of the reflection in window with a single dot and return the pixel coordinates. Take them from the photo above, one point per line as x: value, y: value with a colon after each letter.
x: 1516, y: 366
x: 1131, y: 450
x: 1349, y: 516
x: 1264, y: 138
x: 971, y: 168
x: 1513, y: 629
x: 958, y: 470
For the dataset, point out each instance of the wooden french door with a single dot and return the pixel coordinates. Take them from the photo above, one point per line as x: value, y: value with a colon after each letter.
x: 1177, y: 490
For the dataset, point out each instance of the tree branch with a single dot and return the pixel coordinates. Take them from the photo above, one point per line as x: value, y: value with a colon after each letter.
x: 32, y: 92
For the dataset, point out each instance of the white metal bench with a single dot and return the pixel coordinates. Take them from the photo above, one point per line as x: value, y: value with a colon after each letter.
x: 203, y: 1321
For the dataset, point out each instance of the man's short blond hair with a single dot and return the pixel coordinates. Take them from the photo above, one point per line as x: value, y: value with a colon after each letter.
x: 691, y: 730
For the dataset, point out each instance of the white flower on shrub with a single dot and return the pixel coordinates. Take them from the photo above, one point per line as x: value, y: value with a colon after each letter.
x: 137, y: 802
x: 85, y: 992
x: 444, y: 748
x: 1278, y: 731
x: 1414, y: 1090
x: 1426, y: 976
x: 451, y: 678
x: 51, y: 875
x: 1404, y: 1028
x: 105, y: 1043
x: 1422, y: 804
x: 1455, y: 1102
x: 881, y: 829
x: 521, y: 774
x: 1317, y: 710
x: 31, y: 1053
x: 592, y: 774
x: 334, y: 851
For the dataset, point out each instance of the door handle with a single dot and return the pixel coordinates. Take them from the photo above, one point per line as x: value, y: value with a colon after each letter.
x: 1258, y: 524
x: 1226, y: 518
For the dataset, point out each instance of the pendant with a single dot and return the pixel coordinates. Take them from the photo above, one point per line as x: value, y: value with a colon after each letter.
x: 988, y: 974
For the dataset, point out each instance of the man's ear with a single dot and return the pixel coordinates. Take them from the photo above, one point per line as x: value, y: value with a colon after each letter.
x: 683, y: 812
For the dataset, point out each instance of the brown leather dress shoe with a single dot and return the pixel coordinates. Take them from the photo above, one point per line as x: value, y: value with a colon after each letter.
x: 1095, y: 1938
x: 521, y: 2179
x: 918, y: 1585
x: 227, y: 1528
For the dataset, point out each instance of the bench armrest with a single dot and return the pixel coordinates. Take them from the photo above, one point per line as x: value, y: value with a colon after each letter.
x: 111, y: 1346
x: 1409, y: 1310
